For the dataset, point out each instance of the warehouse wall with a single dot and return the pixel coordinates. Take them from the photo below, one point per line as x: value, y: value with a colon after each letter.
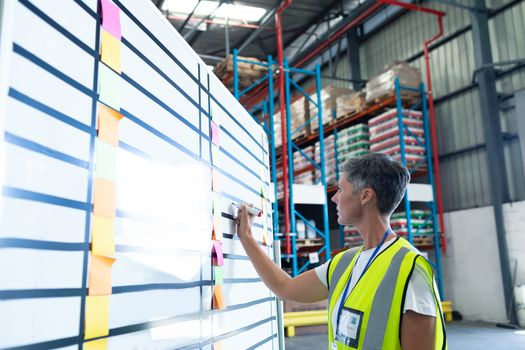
x: 471, y: 266
x: 458, y: 118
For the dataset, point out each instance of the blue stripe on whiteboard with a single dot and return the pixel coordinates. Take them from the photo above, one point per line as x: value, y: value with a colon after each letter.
x: 18, y: 193
x: 41, y: 245
x: 38, y: 148
x: 51, y: 344
x: 159, y: 286
x: 52, y: 70
x: 39, y: 293
x: 235, y: 257
x: 58, y: 27
x: 243, y: 146
x: 162, y: 104
x: 157, y: 133
x: 264, y: 341
x: 241, y: 280
x: 87, y: 9
x: 19, y: 96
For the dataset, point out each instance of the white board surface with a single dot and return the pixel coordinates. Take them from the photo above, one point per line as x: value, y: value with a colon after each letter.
x: 162, y: 276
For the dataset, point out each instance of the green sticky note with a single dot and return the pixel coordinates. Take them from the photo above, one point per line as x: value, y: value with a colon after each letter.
x: 109, y: 87
x: 218, y: 275
x: 105, y: 161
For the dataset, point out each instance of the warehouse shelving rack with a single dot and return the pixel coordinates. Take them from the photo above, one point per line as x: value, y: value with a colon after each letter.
x: 422, y: 170
x: 290, y: 84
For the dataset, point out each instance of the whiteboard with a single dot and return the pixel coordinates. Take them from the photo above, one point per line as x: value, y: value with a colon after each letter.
x: 161, y: 280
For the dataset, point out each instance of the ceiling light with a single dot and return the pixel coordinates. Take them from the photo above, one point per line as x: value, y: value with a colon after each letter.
x: 204, y: 8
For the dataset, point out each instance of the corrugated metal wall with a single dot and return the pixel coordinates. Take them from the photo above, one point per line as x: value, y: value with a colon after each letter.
x: 464, y: 175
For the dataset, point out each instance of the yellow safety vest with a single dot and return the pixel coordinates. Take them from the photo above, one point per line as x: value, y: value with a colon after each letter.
x: 378, y: 298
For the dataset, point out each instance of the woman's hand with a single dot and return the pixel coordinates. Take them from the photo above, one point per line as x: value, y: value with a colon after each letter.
x: 244, y: 221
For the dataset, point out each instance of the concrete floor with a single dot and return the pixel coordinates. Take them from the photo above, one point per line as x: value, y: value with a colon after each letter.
x: 461, y: 336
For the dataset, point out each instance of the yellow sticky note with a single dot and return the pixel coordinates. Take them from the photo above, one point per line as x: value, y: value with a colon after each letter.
x: 110, y: 50
x: 103, y: 236
x: 97, y: 316
x: 108, y: 120
x: 100, y: 275
x: 100, y: 344
x: 104, y: 202
x: 217, y: 229
x: 218, y: 298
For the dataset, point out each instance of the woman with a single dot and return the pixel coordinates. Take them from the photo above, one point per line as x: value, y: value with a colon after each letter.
x: 381, y: 295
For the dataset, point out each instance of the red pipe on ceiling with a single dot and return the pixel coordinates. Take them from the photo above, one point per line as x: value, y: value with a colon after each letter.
x: 431, y: 108
x: 284, y: 138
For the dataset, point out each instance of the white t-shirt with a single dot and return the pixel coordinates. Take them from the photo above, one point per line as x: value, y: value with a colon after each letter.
x: 419, y: 296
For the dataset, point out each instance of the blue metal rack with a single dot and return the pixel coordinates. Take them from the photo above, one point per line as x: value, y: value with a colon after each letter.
x: 429, y: 171
x: 294, y: 213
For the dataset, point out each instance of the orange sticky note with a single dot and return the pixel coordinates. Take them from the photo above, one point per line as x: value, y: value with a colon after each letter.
x: 217, y: 229
x: 218, y: 298
x: 217, y: 345
x: 104, y: 201
x: 97, y: 316
x: 100, y: 344
x: 108, y: 124
x: 103, y: 236
x: 100, y: 275
x: 110, y: 50
x: 215, y: 181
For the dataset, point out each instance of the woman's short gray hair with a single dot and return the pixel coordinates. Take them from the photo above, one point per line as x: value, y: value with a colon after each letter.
x: 387, y: 177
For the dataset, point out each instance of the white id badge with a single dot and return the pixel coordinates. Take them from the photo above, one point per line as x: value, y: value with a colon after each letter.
x: 349, y: 327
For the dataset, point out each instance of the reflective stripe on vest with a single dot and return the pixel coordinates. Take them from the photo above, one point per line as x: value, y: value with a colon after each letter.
x: 382, y: 303
x: 341, y: 267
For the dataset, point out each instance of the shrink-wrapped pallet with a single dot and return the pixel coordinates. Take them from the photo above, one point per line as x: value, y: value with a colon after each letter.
x: 382, y: 85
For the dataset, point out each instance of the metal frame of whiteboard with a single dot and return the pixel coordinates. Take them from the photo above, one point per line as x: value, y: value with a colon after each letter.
x: 146, y: 308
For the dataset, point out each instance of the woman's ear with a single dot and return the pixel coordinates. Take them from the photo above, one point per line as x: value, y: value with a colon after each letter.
x: 367, y: 195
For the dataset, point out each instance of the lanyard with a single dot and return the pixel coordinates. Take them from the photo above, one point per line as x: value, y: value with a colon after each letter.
x: 343, y: 299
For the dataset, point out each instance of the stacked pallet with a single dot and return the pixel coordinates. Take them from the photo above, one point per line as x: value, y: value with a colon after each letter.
x: 329, y: 159
x: 353, y: 141
x: 382, y: 85
x: 350, y: 104
x: 421, y: 224
x: 384, y: 135
x: 248, y: 73
x: 329, y: 95
x: 297, y: 119
x: 299, y: 164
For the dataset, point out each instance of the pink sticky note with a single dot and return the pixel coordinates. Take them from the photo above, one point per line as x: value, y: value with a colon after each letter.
x: 111, y: 18
x: 215, y: 134
x: 218, y: 259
